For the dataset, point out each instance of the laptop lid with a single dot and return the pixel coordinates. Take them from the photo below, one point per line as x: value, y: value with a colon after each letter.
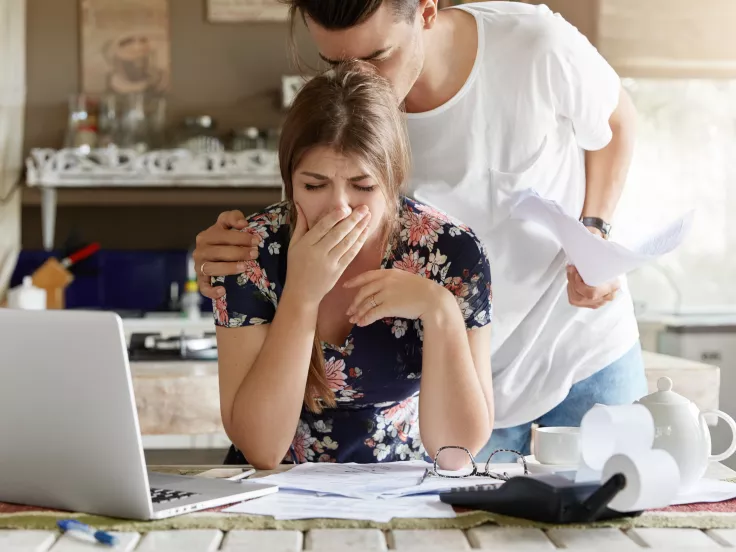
x: 69, y: 434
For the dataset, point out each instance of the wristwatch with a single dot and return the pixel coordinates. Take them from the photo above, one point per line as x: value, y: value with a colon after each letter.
x: 599, y: 223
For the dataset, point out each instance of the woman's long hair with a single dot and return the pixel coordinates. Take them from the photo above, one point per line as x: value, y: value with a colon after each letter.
x: 354, y: 111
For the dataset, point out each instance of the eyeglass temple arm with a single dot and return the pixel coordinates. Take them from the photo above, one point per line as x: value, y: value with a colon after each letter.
x: 592, y: 508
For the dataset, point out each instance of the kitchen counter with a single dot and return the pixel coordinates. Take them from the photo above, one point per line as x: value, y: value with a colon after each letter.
x: 182, y: 397
x: 177, y: 398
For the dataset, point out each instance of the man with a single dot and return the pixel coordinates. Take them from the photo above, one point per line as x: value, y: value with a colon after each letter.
x: 500, y: 97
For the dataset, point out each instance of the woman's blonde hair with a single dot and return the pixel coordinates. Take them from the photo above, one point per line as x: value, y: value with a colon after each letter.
x: 354, y: 111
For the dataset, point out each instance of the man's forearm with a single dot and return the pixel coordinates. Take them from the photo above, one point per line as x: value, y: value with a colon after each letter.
x: 606, y: 169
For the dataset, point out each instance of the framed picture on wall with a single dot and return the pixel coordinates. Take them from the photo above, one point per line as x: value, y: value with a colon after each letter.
x: 126, y: 46
x: 237, y: 11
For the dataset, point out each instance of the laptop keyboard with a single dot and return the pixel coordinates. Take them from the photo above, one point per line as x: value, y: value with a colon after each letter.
x: 160, y: 496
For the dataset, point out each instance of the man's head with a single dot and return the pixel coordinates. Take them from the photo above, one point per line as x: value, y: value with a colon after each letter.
x: 386, y: 33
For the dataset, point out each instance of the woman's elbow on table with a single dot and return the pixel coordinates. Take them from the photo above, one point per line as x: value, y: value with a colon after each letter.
x: 262, y: 456
x: 264, y: 461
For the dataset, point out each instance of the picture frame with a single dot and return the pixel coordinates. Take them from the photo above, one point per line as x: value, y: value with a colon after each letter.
x: 239, y: 11
x: 125, y: 46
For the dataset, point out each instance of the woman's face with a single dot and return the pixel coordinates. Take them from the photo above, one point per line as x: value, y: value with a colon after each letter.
x: 325, y: 180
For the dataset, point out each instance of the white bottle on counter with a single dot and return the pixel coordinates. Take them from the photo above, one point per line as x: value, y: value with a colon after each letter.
x: 190, y: 301
x: 26, y: 296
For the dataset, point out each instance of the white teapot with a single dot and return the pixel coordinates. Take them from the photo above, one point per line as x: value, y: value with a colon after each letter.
x: 681, y: 430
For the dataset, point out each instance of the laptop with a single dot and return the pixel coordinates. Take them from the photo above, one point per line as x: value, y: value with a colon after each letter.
x: 69, y: 433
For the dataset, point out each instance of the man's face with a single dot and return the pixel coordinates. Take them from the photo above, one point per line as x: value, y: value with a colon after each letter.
x: 393, y: 44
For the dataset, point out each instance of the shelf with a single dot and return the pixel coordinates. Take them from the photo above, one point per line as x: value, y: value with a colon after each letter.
x: 155, y: 196
x: 70, y: 177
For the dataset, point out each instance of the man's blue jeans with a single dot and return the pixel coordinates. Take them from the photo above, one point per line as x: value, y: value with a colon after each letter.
x: 621, y: 382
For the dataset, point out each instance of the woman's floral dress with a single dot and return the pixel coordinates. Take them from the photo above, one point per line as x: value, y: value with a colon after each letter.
x: 376, y: 373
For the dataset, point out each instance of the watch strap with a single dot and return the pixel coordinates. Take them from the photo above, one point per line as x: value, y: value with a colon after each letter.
x: 599, y: 223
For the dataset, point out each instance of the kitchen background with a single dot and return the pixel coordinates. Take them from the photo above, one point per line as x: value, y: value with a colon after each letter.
x: 226, y: 87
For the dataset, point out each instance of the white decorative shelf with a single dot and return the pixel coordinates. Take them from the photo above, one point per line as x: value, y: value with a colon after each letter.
x: 49, y: 170
x: 177, y: 167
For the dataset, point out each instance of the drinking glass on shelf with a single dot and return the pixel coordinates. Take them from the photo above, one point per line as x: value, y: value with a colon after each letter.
x: 134, y: 125
x: 156, y: 112
x: 198, y: 134
x: 81, y: 131
x: 109, y: 121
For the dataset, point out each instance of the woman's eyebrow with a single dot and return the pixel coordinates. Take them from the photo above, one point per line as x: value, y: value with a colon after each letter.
x: 359, y: 177
x: 315, y: 175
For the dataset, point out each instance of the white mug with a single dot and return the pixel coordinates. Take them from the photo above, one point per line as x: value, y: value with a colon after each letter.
x: 557, y: 445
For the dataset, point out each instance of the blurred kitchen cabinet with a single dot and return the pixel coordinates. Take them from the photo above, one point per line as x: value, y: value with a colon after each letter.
x: 669, y: 38
x: 580, y: 13
x: 658, y: 38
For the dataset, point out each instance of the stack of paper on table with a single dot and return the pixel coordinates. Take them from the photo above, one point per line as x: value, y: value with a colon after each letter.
x: 370, y: 481
x: 376, y: 492
x: 297, y: 505
x: 380, y: 492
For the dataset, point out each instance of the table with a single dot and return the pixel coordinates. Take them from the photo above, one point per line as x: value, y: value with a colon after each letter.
x: 486, y: 537
x: 331, y: 540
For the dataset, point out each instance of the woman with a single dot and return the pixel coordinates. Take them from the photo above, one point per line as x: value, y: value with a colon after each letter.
x: 361, y: 300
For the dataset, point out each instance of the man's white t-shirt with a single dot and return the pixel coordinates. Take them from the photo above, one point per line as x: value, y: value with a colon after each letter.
x: 539, y: 95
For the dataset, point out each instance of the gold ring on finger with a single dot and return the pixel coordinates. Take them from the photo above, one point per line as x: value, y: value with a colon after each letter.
x: 373, y: 301
x: 201, y: 269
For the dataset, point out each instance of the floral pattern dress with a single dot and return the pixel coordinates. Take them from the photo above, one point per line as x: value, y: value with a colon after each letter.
x: 376, y: 372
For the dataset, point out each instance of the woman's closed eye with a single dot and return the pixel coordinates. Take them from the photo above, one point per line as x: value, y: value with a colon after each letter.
x: 312, y: 187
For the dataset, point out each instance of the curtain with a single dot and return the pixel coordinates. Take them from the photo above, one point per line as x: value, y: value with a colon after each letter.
x: 12, y: 107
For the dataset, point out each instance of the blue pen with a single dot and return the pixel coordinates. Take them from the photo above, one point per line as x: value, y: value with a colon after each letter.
x: 100, y: 536
x: 293, y: 455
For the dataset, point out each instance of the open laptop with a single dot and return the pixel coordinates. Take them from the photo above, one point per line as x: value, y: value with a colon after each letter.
x: 69, y: 433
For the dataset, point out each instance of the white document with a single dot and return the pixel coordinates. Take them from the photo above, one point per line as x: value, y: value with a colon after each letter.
x: 350, y: 480
x: 371, y: 481
x: 706, y: 490
x: 597, y: 260
x: 297, y: 505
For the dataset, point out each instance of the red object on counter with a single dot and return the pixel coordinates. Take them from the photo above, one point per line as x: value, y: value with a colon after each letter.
x: 80, y: 255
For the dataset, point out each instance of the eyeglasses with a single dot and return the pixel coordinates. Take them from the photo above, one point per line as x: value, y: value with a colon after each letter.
x: 472, y: 470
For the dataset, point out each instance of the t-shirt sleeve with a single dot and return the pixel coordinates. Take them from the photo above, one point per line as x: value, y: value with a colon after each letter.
x: 469, y: 279
x: 250, y: 298
x: 584, y: 87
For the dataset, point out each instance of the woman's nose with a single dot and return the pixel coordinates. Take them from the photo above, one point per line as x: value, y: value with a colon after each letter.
x: 339, y: 200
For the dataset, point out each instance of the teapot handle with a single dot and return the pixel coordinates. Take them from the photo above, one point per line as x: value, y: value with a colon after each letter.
x: 732, y: 447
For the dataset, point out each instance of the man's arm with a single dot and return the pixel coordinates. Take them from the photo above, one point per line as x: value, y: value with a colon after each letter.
x: 605, y: 176
x: 606, y: 169
x: 222, y: 252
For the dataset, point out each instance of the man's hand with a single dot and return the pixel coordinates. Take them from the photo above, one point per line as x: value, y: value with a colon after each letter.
x: 582, y: 295
x: 221, y: 251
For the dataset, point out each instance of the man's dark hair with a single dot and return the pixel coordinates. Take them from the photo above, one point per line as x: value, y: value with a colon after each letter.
x: 342, y: 14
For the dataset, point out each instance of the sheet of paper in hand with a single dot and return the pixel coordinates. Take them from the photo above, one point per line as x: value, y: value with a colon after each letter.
x: 597, y: 260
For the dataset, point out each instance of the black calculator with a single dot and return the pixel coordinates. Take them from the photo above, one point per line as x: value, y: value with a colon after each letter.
x: 547, y: 498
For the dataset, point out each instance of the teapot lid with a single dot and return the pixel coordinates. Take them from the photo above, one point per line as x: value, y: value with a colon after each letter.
x: 664, y: 395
